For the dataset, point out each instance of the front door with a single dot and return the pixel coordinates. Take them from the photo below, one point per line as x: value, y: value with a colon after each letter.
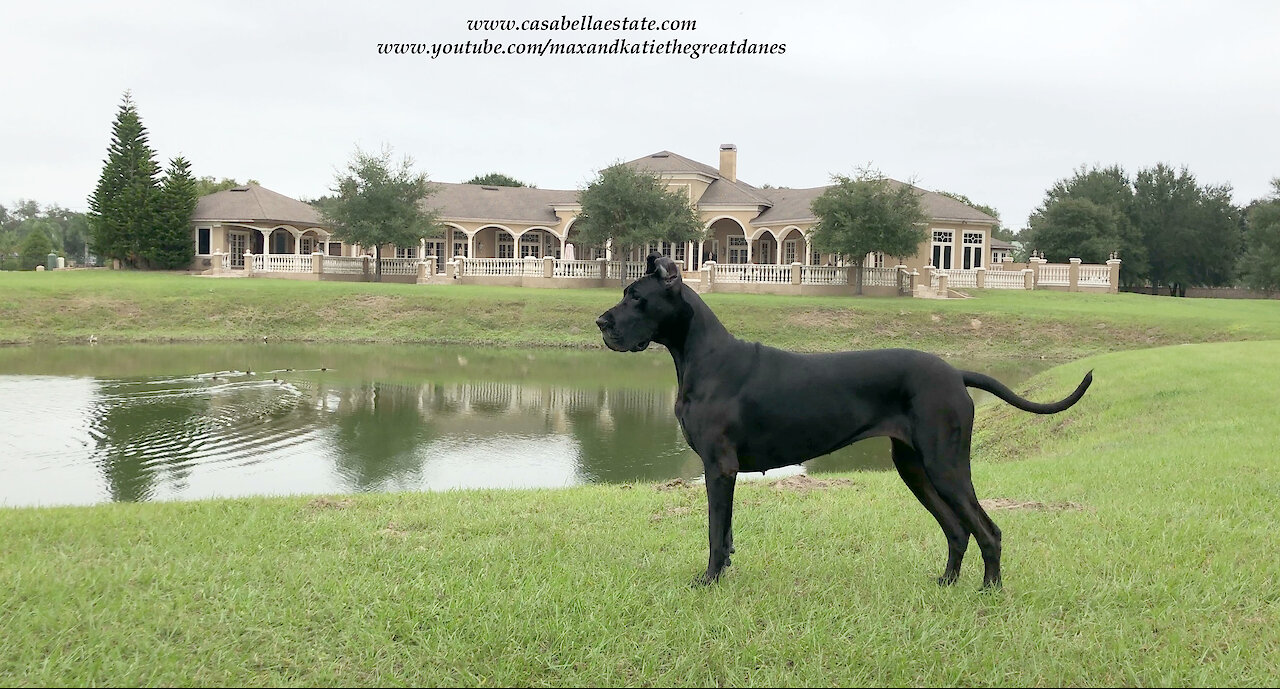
x: 238, y: 243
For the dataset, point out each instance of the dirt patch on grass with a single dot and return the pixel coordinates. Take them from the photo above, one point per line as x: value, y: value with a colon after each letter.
x: 393, y: 529
x: 823, y: 318
x: 669, y: 512
x: 331, y: 504
x: 804, y: 483
x: 1011, y: 504
x: 673, y: 484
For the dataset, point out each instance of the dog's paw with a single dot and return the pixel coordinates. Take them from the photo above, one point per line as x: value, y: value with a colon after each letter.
x: 705, y: 579
x: 947, y: 579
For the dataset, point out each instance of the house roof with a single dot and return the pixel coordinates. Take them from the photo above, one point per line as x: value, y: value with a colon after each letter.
x: 527, y: 205
x: 999, y: 243
x: 498, y: 204
x: 253, y: 203
x: 721, y: 192
x: 792, y: 205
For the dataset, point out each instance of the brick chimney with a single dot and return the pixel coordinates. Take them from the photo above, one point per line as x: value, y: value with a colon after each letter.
x: 729, y: 162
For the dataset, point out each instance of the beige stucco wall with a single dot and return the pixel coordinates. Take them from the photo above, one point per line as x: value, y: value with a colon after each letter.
x: 924, y: 252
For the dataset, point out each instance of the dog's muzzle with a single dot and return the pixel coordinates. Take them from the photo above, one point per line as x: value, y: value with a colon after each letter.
x: 611, y: 339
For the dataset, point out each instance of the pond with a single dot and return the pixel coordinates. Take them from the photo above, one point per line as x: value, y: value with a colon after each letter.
x: 90, y: 424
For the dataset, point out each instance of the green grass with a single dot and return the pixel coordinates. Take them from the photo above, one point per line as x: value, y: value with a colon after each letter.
x: 1161, y: 570
x: 71, y: 306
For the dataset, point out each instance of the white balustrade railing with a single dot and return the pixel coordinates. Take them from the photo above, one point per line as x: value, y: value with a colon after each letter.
x: 1095, y: 275
x: 956, y: 277
x: 1057, y: 274
x: 753, y: 272
x: 344, y: 265
x: 282, y: 263
x: 823, y: 275
x: 635, y: 270
x: 577, y: 269
x: 398, y: 266
x: 880, y: 277
x: 1005, y: 279
x: 492, y: 266
x: 531, y: 266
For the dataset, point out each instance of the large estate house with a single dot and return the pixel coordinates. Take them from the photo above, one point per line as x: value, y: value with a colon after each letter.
x: 745, y: 224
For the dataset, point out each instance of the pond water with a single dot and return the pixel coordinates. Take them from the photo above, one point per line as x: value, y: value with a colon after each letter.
x: 90, y: 424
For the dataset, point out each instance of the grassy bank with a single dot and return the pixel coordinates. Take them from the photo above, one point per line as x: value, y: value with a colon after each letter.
x: 136, y: 307
x: 1144, y: 553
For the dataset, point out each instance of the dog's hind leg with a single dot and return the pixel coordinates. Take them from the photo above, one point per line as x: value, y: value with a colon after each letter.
x: 946, y: 463
x: 911, y: 469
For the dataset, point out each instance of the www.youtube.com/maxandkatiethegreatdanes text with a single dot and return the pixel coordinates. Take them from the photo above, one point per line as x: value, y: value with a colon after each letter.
x: 585, y: 24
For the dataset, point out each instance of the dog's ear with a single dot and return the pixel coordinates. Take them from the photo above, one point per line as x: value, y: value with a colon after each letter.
x: 668, y: 271
x: 651, y: 262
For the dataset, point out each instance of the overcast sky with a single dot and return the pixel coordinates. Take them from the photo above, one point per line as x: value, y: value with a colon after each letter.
x: 992, y: 100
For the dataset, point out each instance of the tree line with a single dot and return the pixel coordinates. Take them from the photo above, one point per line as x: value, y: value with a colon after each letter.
x: 30, y: 232
x: 1170, y: 231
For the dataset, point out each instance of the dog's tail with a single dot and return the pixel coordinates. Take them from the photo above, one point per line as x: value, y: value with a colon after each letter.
x: 995, y: 387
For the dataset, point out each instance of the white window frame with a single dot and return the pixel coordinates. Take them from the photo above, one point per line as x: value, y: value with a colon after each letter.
x: 790, y: 249
x: 531, y: 245
x: 506, y: 245
x: 737, y: 249
x: 942, y: 249
x: 972, y: 250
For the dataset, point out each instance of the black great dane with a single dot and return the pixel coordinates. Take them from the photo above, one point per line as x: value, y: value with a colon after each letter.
x: 747, y: 407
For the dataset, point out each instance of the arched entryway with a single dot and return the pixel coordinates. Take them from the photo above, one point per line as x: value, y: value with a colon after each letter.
x: 537, y: 242
x: 791, y: 247
x: 494, y: 241
x: 581, y: 251
x: 726, y: 242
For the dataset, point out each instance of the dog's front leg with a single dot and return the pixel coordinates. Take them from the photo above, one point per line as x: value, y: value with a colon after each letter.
x: 719, y: 523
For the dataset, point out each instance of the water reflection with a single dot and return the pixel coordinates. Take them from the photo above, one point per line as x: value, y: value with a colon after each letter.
x: 567, y: 419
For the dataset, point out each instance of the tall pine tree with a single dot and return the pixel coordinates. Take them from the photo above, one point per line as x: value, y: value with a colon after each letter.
x: 123, y: 206
x: 169, y: 245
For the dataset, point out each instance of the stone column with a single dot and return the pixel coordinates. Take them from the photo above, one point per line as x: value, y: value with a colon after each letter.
x: 603, y: 265
x: 709, y: 280
x: 217, y: 262
x: 248, y: 263
x: 364, y: 265
x: 1028, y: 278
x: 549, y: 266
x: 796, y: 270
x: 926, y: 275
x: 942, y: 285
x: 982, y: 277
x: 1114, y: 265
x: 1073, y: 275
x: 317, y: 263
x: 1034, y: 264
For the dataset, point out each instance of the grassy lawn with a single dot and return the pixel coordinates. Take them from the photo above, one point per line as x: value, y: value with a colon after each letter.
x: 1144, y: 552
x: 71, y: 306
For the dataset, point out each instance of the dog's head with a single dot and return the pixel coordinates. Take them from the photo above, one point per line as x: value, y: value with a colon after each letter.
x: 649, y: 310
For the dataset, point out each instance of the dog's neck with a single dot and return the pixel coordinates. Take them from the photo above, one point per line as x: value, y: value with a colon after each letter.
x: 695, y: 334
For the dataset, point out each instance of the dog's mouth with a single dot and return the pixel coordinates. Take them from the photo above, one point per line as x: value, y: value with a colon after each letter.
x: 616, y: 346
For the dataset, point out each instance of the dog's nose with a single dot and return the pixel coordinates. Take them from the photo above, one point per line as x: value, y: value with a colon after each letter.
x: 602, y: 322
